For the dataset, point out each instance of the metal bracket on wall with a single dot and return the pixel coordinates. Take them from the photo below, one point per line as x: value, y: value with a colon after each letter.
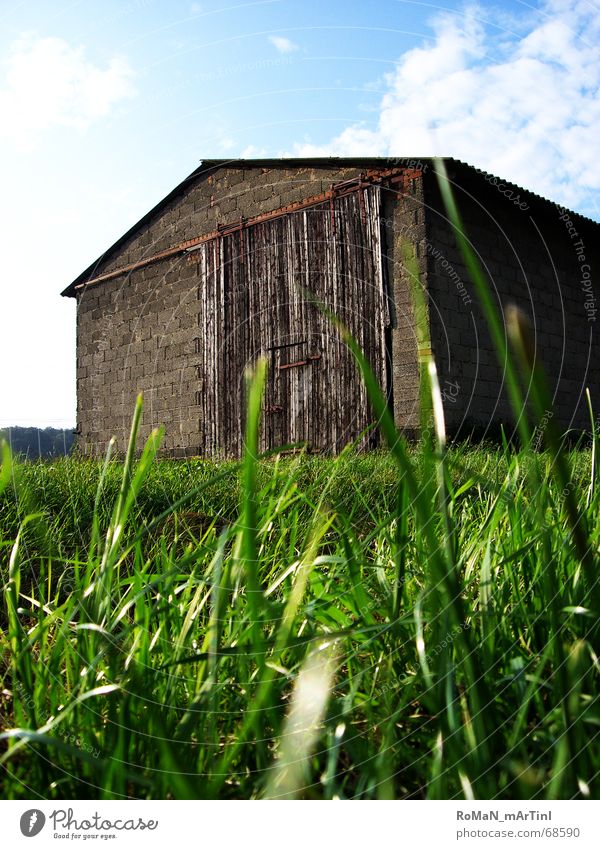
x: 286, y: 345
x: 305, y: 362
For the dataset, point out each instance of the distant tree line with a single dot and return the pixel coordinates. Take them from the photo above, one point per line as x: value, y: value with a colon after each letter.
x: 36, y: 443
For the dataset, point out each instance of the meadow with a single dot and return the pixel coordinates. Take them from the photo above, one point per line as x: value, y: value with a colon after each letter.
x: 418, y: 622
x: 176, y: 630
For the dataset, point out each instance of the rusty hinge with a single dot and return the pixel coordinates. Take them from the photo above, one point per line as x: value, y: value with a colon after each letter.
x: 305, y: 362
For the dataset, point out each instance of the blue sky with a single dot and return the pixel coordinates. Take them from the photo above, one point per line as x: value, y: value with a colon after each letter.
x: 107, y: 105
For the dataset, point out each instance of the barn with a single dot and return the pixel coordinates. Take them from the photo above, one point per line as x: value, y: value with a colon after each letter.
x: 227, y: 268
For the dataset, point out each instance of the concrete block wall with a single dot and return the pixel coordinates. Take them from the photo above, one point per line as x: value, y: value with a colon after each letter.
x: 403, y: 222
x: 137, y: 335
x: 530, y: 257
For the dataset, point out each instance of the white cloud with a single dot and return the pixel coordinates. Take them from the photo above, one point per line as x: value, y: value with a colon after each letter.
x: 47, y: 83
x: 282, y: 44
x: 253, y: 151
x: 524, y: 106
x: 226, y: 143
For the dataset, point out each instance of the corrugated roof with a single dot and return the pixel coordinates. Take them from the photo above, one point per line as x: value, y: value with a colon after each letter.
x: 210, y: 165
x: 530, y: 195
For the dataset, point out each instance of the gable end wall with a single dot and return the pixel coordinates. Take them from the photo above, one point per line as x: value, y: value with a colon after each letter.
x: 137, y: 332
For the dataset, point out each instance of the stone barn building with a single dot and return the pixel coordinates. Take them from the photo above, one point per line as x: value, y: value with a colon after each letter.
x: 218, y: 274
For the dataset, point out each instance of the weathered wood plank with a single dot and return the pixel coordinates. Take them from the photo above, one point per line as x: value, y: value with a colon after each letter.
x: 251, y: 300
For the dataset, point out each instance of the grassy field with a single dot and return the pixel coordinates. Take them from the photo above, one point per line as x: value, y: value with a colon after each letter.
x: 293, y: 628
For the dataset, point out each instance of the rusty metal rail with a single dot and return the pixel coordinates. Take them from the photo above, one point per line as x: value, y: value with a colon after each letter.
x: 305, y: 362
x: 393, y: 176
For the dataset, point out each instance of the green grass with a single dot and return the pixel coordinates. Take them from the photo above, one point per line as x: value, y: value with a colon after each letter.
x: 160, y: 660
x: 417, y: 622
